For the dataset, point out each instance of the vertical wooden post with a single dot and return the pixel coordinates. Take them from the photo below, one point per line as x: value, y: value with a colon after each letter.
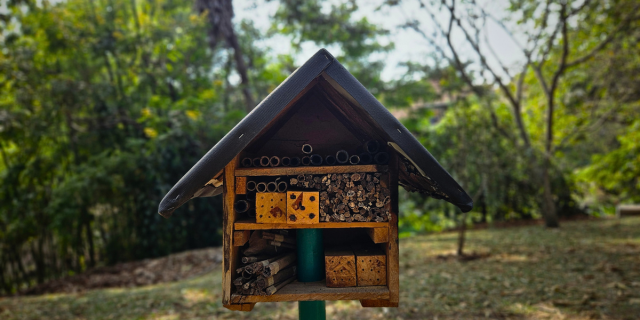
x: 230, y: 251
x: 392, y: 248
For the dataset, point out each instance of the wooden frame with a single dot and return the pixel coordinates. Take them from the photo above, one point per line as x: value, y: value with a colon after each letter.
x: 236, y: 232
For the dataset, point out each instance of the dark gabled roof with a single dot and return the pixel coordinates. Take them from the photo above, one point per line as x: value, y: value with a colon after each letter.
x: 420, y: 171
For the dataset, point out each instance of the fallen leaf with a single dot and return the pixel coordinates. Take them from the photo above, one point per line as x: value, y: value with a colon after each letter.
x: 634, y: 301
x: 617, y: 285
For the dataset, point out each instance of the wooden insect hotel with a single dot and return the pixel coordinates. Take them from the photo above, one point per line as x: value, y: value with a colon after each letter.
x: 320, y: 154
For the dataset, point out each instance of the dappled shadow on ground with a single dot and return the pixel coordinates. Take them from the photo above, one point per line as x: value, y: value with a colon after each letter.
x: 585, y: 270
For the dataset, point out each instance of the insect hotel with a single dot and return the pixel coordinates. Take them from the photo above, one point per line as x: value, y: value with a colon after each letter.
x: 310, y: 185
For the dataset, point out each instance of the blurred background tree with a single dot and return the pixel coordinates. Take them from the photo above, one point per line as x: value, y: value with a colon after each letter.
x: 104, y: 105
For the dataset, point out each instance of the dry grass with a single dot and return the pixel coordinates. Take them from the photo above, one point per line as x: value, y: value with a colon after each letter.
x: 585, y: 270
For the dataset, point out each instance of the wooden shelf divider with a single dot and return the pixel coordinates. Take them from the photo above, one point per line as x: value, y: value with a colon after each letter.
x: 252, y: 225
x: 291, y: 171
x: 309, y: 291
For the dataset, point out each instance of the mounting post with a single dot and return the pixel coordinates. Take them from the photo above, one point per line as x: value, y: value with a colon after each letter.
x: 310, y: 269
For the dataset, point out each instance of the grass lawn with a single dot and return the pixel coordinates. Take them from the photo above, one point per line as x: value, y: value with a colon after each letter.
x: 585, y: 270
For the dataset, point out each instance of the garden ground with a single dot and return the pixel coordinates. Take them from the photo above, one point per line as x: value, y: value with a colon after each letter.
x: 584, y: 270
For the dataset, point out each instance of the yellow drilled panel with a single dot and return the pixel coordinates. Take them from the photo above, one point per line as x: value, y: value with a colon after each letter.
x: 306, y: 211
x: 271, y: 207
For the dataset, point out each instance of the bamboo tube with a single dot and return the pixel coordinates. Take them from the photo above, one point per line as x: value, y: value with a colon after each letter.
x: 330, y: 160
x: 306, y: 148
x: 285, y: 161
x: 372, y: 146
x: 306, y: 160
x: 278, y: 237
x: 246, y: 162
x: 273, y: 267
x: 295, y: 161
x: 316, y: 159
x: 354, y: 159
x: 251, y: 185
x: 273, y: 289
x: 342, y: 157
x: 261, y: 187
x: 248, y: 284
x: 241, y: 206
x: 283, y: 275
x: 256, y: 162
x: 381, y: 158
x: 365, y: 158
x: 257, y: 267
x: 282, y: 186
x: 281, y: 244
x: 264, y: 161
x: 246, y: 260
x: 272, y: 187
x: 274, y: 161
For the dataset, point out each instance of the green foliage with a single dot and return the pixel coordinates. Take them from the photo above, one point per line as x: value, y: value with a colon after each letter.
x: 616, y: 173
x: 104, y: 105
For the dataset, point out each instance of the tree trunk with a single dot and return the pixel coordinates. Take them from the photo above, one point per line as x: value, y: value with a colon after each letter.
x: 89, y: 235
x: 548, y: 206
x: 461, y: 234
x: 242, y: 70
x: 220, y: 13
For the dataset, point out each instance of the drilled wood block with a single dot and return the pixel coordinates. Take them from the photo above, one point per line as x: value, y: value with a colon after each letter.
x: 241, y: 237
x: 241, y: 185
x: 372, y: 267
x: 379, y: 235
x: 303, y: 207
x: 271, y: 207
x: 340, y: 267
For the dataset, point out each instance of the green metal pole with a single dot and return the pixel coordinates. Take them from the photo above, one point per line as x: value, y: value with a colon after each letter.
x: 310, y: 268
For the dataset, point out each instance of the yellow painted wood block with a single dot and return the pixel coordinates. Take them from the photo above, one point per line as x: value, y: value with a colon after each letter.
x: 303, y: 207
x: 271, y: 207
x: 372, y: 267
x: 340, y: 268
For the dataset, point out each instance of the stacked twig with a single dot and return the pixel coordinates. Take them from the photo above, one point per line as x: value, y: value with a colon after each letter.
x: 267, y: 276
x: 349, y: 197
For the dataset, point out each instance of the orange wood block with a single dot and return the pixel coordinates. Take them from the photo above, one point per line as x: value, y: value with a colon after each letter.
x: 240, y: 237
x: 372, y: 267
x: 303, y: 207
x: 340, y: 267
x: 271, y: 207
x: 379, y: 235
x: 241, y: 185
x: 378, y: 303
x: 246, y: 307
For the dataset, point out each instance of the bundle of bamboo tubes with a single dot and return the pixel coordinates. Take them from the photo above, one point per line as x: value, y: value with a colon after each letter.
x: 267, y: 276
x: 349, y: 197
x: 370, y: 152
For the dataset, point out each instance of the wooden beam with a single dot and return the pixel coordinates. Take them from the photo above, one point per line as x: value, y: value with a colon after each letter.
x: 392, y: 247
x: 229, y: 260
x: 378, y: 303
x: 252, y: 225
x: 246, y: 307
x: 241, y: 185
x: 379, y: 235
x: 310, y: 291
x: 292, y: 171
x: 241, y: 237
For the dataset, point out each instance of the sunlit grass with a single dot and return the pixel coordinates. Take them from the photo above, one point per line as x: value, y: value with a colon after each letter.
x: 585, y: 270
